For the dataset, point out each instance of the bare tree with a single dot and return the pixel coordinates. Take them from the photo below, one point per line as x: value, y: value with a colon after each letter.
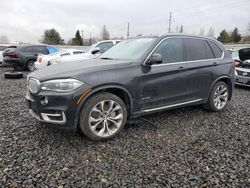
x: 104, y: 33
x: 202, y: 31
x: 4, y: 39
x: 211, y: 32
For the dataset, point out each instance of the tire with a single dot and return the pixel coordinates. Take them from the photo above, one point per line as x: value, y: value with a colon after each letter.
x: 218, y: 97
x: 30, y: 65
x: 108, y: 123
x: 13, y: 75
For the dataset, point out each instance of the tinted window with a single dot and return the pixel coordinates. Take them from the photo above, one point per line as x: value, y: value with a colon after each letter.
x: 51, y: 49
x: 78, y: 52
x: 2, y: 48
x: 27, y: 49
x: 40, y: 50
x: 210, y: 54
x: 105, y: 46
x: 170, y: 50
x: 194, y: 49
x: 217, y: 51
x: 65, y: 54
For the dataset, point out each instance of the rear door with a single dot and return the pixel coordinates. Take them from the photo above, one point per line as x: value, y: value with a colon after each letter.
x: 202, y: 65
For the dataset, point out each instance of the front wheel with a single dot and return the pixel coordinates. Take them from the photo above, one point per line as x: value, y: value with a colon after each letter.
x: 103, y: 117
x: 218, y: 97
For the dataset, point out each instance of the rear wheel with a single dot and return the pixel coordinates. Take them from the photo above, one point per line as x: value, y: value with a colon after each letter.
x: 218, y: 97
x: 103, y: 117
x: 30, y: 65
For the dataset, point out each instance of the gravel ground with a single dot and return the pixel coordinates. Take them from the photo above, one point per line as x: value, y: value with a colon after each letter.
x: 188, y: 148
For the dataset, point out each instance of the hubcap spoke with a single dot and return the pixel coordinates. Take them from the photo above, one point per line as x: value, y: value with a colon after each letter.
x: 221, y: 97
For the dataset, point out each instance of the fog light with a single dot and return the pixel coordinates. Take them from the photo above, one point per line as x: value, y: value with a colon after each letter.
x: 44, y: 100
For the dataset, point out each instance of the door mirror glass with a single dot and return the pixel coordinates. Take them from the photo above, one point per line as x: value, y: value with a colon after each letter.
x: 154, y: 59
x: 96, y: 50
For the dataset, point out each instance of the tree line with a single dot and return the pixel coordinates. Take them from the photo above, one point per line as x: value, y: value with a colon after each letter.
x: 52, y: 37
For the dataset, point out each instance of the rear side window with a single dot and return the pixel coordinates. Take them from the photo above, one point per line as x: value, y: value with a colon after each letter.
x: 170, y: 50
x: 210, y: 54
x: 105, y: 46
x: 217, y: 51
x: 194, y: 49
x: 27, y: 49
x: 40, y: 50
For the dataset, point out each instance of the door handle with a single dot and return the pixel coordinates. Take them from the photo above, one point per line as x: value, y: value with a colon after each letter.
x: 180, y: 68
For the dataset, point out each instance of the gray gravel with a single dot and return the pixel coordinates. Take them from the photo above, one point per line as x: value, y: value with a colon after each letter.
x: 188, y: 148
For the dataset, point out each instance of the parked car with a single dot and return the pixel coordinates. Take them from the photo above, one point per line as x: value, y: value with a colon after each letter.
x: 134, y: 78
x: 24, y: 57
x: 243, y: 68
x: 55, y: 58
x: 95, y: 50
x: 4, y: 49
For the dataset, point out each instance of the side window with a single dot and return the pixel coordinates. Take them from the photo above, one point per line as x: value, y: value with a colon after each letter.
x: 217, y: 51
x: 51, y: 49
x: 171, y: 50
x: 40, y: 50
x: 194, y: 49
x: 210, y: 54
x: 27, y: 49
x: 105, y: 46
x: 78, y: 52
x: 65, y: 54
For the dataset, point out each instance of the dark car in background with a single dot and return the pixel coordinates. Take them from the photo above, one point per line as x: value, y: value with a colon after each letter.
x: 24, y: 57
x: 243, y: 68
x: 134, y: 78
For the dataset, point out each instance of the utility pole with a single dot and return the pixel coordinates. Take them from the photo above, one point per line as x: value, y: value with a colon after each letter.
x: 170, y: 19
x: 90, y: 38
x: 82, y: 36
x: 128, y: 31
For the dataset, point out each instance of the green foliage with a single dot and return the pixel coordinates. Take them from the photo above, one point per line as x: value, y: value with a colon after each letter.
x: 51, y: 36
x: 235, y: 36
x: 78, y: 39
x: 224, y: 37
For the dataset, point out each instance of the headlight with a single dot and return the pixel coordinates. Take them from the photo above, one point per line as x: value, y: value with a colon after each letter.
x: 33, y: 85
x: 61, y: 85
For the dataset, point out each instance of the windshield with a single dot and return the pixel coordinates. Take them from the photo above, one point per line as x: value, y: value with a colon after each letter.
x: 129, y: 49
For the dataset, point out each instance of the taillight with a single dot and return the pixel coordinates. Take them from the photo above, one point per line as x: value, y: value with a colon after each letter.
x: 39, y: 60
x: 12, y: 54
x: 234, y: 64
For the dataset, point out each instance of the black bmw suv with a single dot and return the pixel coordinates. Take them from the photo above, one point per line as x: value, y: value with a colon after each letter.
x: 136, y: 77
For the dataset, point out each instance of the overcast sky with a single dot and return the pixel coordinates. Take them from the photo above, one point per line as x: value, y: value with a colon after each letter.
x: 25, y: 20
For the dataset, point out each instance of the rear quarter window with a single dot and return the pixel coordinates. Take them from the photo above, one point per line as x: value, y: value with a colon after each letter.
x: 217, y: 51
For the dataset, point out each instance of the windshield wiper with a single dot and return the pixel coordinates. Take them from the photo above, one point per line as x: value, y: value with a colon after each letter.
x: 106, y: 58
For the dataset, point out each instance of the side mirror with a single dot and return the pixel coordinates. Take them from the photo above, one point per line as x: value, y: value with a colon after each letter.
x: 96, y: 50
x: 154, y: 59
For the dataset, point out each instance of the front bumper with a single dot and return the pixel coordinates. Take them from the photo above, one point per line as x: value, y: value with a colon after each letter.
x: 242, y: 80
x: 62, y: 108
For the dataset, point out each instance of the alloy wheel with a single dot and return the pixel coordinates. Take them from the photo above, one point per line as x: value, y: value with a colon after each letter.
x: 221, y: 97
x: 106, y: 118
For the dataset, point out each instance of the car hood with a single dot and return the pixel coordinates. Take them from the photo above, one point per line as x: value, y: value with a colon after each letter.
x: 74, y: 69
x: 244, y: 54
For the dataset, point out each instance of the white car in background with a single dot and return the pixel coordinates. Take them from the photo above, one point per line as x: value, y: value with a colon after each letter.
x: 2, y: 48
x: 55, y: 58
x: 94, y: 51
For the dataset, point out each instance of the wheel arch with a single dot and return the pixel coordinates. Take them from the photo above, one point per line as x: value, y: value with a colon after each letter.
x: 117, y: 90
x: 229, y: 83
